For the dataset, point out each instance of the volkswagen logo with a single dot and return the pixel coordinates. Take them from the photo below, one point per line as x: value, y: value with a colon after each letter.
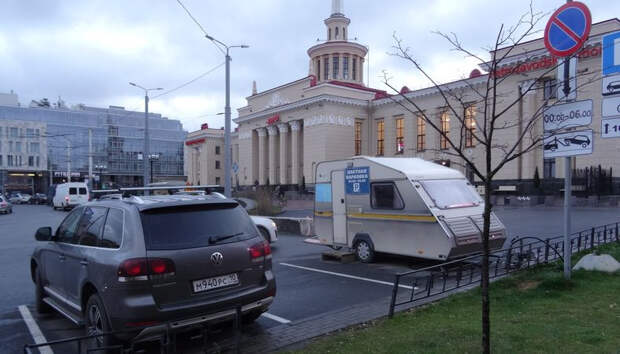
x: 217, y: 258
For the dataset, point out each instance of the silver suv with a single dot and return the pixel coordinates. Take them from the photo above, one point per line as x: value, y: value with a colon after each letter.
x: 144, y: 263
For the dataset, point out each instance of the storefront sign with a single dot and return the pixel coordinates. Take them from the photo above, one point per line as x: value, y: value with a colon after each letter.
x: 357, y: 180
x: 568, y: 115
x: 273, y: 120
x: 545, y: 62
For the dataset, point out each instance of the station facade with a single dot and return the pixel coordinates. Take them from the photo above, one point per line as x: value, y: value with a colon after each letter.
x: 285, y: 131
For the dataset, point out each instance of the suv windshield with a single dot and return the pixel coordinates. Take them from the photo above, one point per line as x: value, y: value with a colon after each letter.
x: 195, y: 226
x: 451, y: 193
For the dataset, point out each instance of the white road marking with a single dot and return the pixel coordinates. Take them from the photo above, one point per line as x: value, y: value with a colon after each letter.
x: 347, y: 276
x: 275, y: 318
x: 34, y: 329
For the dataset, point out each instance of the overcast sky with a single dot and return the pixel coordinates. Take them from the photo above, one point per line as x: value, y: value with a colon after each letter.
x: 88, y: 51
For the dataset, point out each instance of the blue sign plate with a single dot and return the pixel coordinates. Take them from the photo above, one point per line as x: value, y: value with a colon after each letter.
x: 357, y: 180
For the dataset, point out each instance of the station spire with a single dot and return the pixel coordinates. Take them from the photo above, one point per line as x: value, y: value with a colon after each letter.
x: 337, y: 7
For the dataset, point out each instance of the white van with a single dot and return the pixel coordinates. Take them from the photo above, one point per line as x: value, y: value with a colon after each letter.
x: 69, y: 195
x: 404, y: 206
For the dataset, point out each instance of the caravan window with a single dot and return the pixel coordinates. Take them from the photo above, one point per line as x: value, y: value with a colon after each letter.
x: 385, y: 196
x: 451, y: 193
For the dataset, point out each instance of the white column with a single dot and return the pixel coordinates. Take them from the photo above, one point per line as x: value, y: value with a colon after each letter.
x: 284, y: 153
x: 295, y: 151
x: 262, y: 156
x: 273, y: 155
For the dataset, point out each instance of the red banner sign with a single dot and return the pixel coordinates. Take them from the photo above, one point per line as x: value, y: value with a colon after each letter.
x: 273, y: 120
x: 544, y: 62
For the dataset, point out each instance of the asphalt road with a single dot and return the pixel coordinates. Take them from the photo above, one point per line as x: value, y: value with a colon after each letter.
x: 307, y: 286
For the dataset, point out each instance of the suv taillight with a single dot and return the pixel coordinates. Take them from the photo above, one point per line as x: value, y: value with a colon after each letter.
x: 143, y: 268
x: 260, y: 251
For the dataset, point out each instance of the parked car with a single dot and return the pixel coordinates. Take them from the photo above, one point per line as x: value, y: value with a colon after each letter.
x: 123, y: 264
x: 20, y: 198
x: 5, y: 206
x: 267, y: 228
x: 38, y: 198
x: 70, y: 195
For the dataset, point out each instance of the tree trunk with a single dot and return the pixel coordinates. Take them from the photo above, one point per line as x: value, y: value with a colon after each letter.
x: 484, y: 286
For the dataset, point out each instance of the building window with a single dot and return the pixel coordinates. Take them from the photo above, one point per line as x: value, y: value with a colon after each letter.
x: 358, y: 138
x: 34, y: 148
x: 445, y: 129
x: 380, y: 137
x: 18, y: 146
x: 38, y: 161
x: 217, y: 149
x: 29, y: 133
x: 31, y: 161
x: 400, y: 135
x: 470, y: 126
x: 217, y: 164
x: 14, y: 133
x: 9, y: 160
x: 326, y: 68
x: 37, y: 133
x: 345, y: 67
x: 0, y: 160
x: 421, y: 133
x: 344, y: 33
x: 336, y: 61
x: 329, y: 34
x: 549, y: 168
x: 217, y: 180
x: 318, y: 69
x: 336, y: 33
x: 550, y: 89
x: 354, y: 67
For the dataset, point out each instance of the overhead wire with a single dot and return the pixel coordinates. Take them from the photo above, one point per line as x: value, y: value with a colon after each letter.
x: 190, y: 81
x: 199, y: 26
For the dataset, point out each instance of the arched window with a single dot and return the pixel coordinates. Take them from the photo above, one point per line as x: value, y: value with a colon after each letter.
x: 344, y: 33
x: 329, y: 34
x: 336, y: 32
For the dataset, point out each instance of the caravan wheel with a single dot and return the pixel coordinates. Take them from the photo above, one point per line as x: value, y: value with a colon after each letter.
x: 364, y: 252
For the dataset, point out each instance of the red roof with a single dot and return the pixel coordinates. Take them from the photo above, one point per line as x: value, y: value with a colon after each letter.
x: 378, y: 93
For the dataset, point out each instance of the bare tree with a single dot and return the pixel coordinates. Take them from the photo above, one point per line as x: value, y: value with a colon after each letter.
x: 483, y: 107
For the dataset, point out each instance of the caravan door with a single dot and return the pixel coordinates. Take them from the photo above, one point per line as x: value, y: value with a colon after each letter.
x: 339, y: 207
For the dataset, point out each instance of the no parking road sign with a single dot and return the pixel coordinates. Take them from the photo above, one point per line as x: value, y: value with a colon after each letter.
x: 568, y: 29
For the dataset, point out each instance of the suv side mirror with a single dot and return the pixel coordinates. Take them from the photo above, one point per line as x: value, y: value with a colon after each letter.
x: 43, y: 234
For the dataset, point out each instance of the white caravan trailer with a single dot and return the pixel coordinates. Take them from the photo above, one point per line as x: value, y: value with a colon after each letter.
x: 405, y: 206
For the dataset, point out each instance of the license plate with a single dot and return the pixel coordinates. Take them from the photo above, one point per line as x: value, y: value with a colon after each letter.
x: 215, y: 282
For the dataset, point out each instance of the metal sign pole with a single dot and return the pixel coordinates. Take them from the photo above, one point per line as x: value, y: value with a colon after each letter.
x: 567, y: 185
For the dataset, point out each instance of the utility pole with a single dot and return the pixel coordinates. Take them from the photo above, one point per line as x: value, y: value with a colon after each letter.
x: 90, y: 158
x: 68, y: 160
x: 227, y: 120
x: 567, y: 182
x: 146, y: 153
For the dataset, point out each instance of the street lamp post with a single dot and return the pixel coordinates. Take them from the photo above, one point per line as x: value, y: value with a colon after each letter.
x: 227, y: 123
x: 101, y: 167
x: 146, y: 153
x: 151, y: 159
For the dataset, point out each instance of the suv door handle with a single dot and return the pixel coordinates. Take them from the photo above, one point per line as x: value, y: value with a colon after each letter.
x: 84, y: 262
x: 62, y: 258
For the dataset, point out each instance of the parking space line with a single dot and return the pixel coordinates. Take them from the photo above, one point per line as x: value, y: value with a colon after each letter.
x: 34, y: 329
x: 347, y: 276
x: 275, y: 318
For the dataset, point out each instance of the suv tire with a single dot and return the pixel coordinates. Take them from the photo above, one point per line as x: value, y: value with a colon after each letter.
x: 96, y: 322
x: 39, y: 294
x: 364, y: 251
